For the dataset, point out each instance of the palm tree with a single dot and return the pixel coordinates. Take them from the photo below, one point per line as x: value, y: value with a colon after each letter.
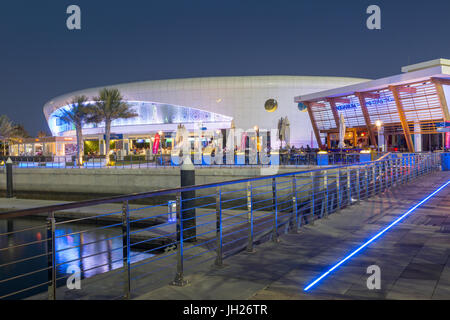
x: 19, y: 131
x: 6, y: 130
x: 78, y: 113
x: 109, y: 106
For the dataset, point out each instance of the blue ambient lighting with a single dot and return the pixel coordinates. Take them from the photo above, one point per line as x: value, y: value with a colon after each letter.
x: 374, y: 237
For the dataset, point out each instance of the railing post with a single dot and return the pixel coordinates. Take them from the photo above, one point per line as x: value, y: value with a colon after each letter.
x: 393, y: 169
x: 407, y: 169
x: 9, y: 179
x: 51, y: 256
x: 179, y: 277
x: 428, y: 164
x: 349, y: 186
x: 423, y: 165
x: 325, y: 184
x: 400, y: 171
x: 431, y: 163
x: 275, y: 208
x: 386, y: 174
x: 294, y: 203
x: 250, y: 217
x: 418, y: 165
x: 366, y: 179
x: 380, y: 176
x: 395, y: 173
x: 410, y: 163
x: 374, y: 179
x: 358, y: 187
x: 219, y: 257
x: 126, y: 249
x: 338, y: 189
x: 313, y: 198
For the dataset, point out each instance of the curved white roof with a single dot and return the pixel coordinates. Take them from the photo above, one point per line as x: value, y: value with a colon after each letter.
x: 166, y: 91
x: 241, y: 98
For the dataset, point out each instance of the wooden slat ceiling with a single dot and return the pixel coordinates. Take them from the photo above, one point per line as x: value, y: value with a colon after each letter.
x: 420, y: 103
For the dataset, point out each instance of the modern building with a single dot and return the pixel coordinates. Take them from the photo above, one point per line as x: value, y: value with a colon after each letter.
x: 213, y: 102
x: 408, y: 111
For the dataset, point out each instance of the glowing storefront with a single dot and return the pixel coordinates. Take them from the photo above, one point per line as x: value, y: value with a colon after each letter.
x: 48, y: 146
x: 408, y: 111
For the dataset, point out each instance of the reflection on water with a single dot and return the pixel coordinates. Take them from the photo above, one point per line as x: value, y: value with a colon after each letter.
x: 93, y: 252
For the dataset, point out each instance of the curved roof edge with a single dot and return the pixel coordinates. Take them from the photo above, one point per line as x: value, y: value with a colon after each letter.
x: 200, y: 83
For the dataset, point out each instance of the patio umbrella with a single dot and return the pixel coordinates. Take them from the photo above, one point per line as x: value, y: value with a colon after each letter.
x: 281, y: 130
x: 287, y: 132
x: 342, y: 129
x: 181, y: 134
x: 156, y: 143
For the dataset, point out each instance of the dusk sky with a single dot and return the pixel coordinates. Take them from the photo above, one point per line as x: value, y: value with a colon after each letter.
x: 125, y: 41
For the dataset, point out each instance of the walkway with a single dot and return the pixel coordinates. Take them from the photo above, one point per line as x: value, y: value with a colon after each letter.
x: 413, y: 256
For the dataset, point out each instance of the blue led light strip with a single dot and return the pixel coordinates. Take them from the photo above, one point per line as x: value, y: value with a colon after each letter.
x: 375, y: 237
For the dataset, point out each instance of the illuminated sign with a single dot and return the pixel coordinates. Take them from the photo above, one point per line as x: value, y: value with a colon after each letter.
x: 114, y: 136
x: 443, y: 124
x: 368, y: 103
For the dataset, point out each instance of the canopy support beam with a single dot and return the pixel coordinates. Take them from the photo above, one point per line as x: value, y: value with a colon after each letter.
x: 314, y: 125
x: 362, y: 102
x: 403, y: 121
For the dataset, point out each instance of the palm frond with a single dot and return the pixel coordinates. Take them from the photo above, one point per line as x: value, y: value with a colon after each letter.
x: 79, y: 111
x: 109, y: 105
x: 6, y: 127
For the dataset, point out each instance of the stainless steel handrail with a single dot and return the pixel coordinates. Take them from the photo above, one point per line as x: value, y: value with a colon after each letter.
x: 138, y: 196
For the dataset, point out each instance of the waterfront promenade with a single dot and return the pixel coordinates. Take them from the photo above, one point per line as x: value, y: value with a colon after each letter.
x: 413, y: 256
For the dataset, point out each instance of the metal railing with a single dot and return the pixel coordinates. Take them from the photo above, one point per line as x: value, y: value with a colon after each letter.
x: 130, y: 248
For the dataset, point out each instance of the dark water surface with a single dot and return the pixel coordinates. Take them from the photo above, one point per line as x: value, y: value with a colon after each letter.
x: 93, y: 252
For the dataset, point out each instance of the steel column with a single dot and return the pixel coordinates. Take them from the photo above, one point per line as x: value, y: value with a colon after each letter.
x: 358, y: 179
x: 250, y: 217
x: 313, y: 197
x: 51, y: 256
x: 126, y: 249
x: 338, y: 189
x: 294, y: 204
x: 219, y: 258
x: 275, y: 210
x: 325, y: 185
x: 179, y: 277
x: 349, y: 186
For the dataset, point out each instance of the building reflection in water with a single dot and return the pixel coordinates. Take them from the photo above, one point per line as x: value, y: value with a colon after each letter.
x: 92, y: 251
